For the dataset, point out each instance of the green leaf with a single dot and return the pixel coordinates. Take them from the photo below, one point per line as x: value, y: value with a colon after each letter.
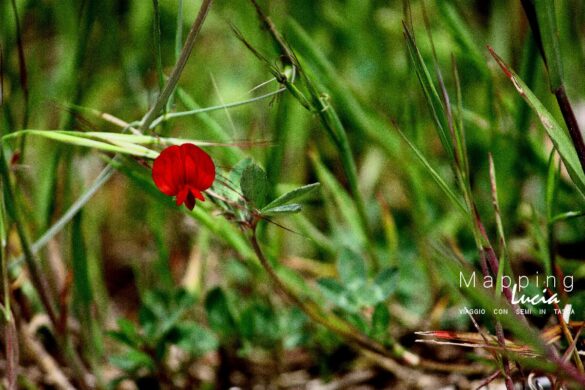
x: 291, y: 195
x: 431, y: 94
x: 351, y: 269
x: 280, y: 210
x: 292, y: 328
x: 387, y: 281
x: 333, y: 291
x: 195, y: 339
x: 358, y: 321
x: 81, y: 139
x: 219, y: 314
x: 456, y: 199
x: 367, y: 295
x: 235, y: 175
x: 126, y: 333
x: 254, y: 184
x: 132, y: 361
x: 259, y: 324
x: 380, y: 321
x: 557, y: 134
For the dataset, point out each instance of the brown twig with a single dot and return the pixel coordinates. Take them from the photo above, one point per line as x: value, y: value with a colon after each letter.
x: 54, y: 375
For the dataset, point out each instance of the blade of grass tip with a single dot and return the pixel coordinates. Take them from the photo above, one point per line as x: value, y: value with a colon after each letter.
x: 434, y: 174
x: 21, y: 64
x: 455, y: 136
x: 106, y: 117
x: 560, y: 139
x: 262, y: 84
x: 76, y: 138
x: 567, y: 215
x: 179, y: 66
x: 542, y: 17
x: 431, y: 95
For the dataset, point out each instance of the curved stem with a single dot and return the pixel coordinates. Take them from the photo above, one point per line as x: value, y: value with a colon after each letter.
x: 369, y: 347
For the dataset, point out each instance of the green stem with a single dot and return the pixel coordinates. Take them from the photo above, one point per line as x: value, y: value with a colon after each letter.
x: 178, y: 69
x: 330, y: 321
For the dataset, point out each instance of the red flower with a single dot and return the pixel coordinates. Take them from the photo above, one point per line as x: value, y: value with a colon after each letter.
x: 183, y: 171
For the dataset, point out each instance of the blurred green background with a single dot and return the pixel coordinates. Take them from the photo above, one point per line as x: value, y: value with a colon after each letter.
x: 130, y: 252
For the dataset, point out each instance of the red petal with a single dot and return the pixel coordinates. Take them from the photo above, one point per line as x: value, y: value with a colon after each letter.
x: 199, y: 167
x: 182, y: 195
x: 197, y: 194
x: 166, y: 171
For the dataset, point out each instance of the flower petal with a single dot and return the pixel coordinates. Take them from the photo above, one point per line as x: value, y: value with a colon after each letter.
x: 199, y: 167
x: 197, y: 194
x: 167, y: 171
x: 182, y: 195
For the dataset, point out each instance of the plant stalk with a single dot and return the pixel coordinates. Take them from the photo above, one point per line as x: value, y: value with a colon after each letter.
x: 179, y: 67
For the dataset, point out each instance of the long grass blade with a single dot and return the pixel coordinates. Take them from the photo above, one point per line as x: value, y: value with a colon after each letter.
x: 556, y: 133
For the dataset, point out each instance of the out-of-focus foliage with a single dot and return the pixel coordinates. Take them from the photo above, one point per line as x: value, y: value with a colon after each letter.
x: 163, y: 294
